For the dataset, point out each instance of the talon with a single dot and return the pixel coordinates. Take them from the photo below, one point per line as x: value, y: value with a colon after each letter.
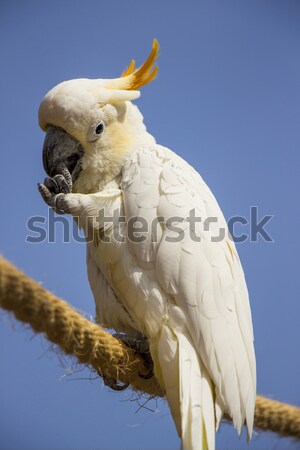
x: 45, y: 193
x: 146, y: 357
x: 56, y: 201
x: 114, y: 384
x: 141, y: 347
x: 62, y: 169
x: 147, y: 376
x: 60, y: 204
x: 51, y: 184
x: 63, y: 186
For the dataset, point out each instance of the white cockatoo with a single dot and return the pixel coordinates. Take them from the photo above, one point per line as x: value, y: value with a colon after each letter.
x: 160, y: 260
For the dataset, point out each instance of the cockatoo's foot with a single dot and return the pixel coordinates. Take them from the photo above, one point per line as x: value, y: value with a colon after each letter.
x: 54, y: 190
x: 140, y: 346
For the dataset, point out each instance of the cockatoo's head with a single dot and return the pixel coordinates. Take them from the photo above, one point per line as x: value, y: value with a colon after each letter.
x: 91, y: 125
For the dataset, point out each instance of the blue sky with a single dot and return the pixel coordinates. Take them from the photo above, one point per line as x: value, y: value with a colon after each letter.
x: 227, y: 99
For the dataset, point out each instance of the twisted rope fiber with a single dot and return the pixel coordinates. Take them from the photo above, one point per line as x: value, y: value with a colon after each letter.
x: 91, y: 345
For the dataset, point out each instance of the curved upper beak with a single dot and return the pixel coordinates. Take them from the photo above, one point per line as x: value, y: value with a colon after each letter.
x: 61, y: 150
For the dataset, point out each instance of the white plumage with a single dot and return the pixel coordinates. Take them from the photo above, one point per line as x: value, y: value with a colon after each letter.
x: 188, y: 296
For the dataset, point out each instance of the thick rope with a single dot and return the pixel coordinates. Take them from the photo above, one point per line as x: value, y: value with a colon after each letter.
x: 91, y: 345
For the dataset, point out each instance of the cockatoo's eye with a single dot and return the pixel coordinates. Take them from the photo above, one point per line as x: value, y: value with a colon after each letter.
x: 99, y: 128
x: 96, y: 131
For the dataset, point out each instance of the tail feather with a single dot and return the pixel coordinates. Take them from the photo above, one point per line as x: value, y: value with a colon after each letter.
x: 189, y: 390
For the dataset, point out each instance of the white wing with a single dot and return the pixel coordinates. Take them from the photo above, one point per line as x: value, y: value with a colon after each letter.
x: 204, y: 278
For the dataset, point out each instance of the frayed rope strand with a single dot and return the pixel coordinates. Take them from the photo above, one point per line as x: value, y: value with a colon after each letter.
x: 91, y: 345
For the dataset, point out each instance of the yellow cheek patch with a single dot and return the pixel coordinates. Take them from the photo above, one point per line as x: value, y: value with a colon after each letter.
x: 120, y: 139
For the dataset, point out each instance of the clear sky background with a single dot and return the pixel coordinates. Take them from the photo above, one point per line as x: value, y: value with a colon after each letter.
x: 227, y: 99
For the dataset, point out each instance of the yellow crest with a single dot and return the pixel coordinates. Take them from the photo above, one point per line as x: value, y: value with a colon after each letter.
x: 132, y: 78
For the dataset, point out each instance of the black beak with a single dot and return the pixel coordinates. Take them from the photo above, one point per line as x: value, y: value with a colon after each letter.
x: 61, y: 151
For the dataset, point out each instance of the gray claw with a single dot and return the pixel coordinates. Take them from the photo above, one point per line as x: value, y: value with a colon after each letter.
x: 56, y: 201
x: 140, y: 346
x: 60, y: 204
x: 51, y: 184
x: 62, y: 169
x: 61, y: 182
x: 113, y: 384
x: 45, y: 193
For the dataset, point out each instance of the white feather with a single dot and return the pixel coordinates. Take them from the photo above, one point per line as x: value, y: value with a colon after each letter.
x: 188, y: 297
x: 204, y: 279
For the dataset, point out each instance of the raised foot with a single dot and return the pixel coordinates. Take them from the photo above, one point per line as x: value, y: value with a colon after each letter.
x: 53, y: 190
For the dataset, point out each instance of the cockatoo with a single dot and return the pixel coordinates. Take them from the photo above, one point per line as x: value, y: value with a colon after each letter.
x: 160, y: 261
